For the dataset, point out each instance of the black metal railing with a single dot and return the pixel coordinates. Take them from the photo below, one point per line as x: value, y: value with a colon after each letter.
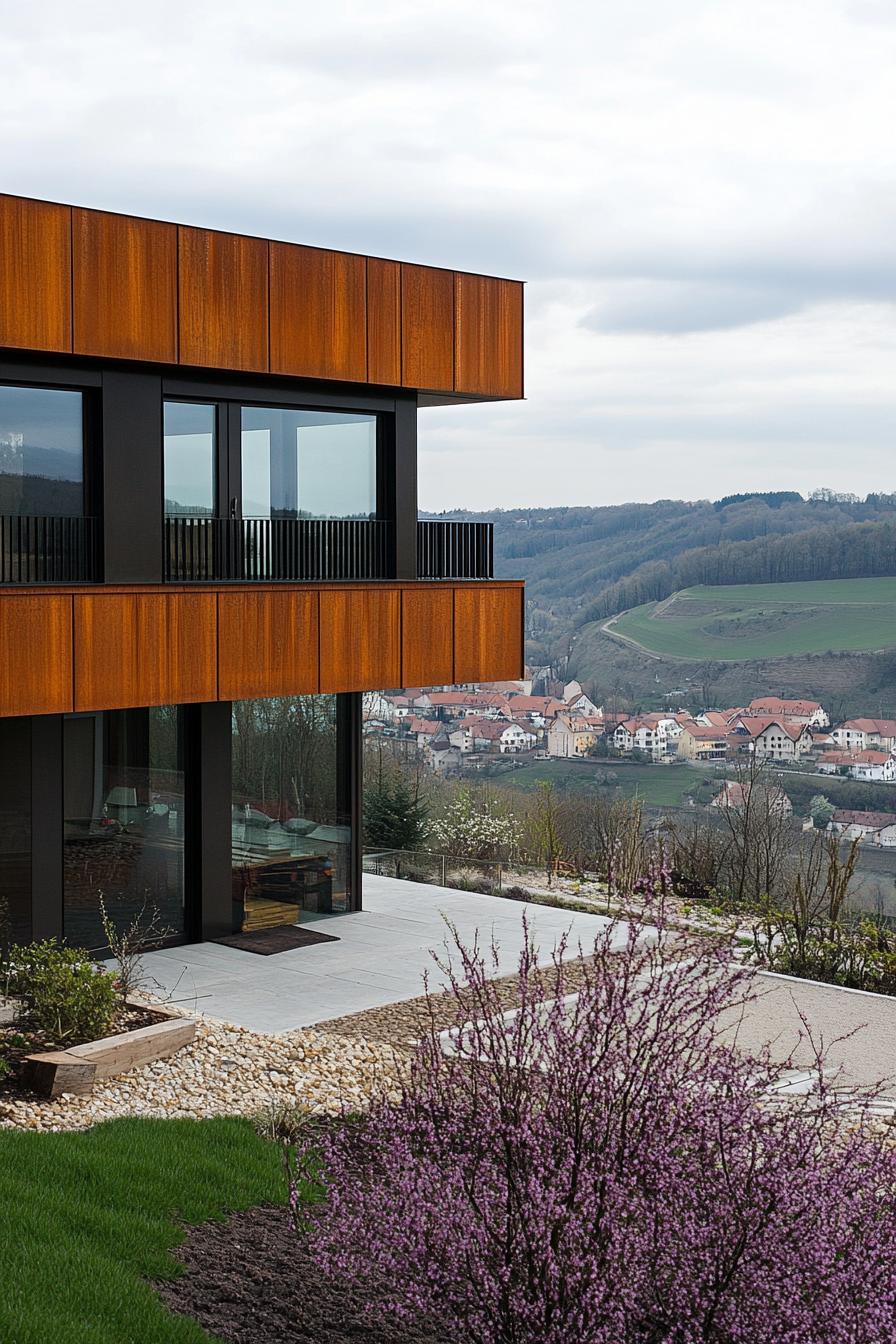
x: 36, y: 549
x: 277, y: 550
x: 290, y: 550
x: 455, y: 550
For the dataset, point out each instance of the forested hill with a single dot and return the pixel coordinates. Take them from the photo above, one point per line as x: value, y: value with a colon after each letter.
x: 582, y: 564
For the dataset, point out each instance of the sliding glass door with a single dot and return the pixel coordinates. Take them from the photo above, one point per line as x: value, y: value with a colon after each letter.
x: 291, y: 816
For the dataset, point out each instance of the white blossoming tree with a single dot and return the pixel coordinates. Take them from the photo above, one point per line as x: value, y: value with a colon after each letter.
x: 476, y: 828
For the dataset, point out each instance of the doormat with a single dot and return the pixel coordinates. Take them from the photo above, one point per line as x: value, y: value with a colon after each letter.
x: 281, y: 938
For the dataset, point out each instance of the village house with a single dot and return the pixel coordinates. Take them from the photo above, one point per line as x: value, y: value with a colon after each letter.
x: 575, y: 699
x: 489, y: 735
x: 538, y: 709
x: 808, y: 712
x: 568, y: 737
x: 697, y: 742
x: 735, y: 796
x: 876, y: 828
x: 425, y: 730
x: 447, y: 705
x: 861, y: 734
x: 776, y: 739
x: 865, y: 765
x: 441, y: 757
x: 654, y: 734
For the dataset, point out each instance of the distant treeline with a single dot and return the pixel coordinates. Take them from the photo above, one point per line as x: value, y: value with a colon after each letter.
x: 858, y: 550
x: 584, y: 563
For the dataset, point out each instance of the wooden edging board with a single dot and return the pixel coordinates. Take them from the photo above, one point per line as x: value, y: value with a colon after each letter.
x: 77, y: 1069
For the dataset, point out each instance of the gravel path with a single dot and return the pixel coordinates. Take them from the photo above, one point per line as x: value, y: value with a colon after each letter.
x: 401, y: 1024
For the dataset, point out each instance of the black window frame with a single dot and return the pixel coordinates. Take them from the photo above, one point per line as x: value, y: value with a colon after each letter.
x: 228, y: 440
x: 90, y: 425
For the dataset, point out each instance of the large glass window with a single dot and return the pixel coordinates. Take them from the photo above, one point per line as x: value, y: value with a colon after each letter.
x: 308, y: 464
x: 290, y: 825
x: 41, y: 452
x: 123, y: 800
x: 189, y: 459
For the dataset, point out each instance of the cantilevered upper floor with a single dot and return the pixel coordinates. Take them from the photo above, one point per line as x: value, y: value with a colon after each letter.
x: 184, y: 411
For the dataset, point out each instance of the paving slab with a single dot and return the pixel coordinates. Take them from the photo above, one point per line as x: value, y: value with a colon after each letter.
x: 381, y: 956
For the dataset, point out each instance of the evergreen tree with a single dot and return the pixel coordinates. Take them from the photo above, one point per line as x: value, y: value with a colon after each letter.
x: 395, y: 817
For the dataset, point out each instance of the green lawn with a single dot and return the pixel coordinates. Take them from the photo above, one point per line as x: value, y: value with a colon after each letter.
x: 87, y: 1218
x: 769, y: 620
x: 658, y: 785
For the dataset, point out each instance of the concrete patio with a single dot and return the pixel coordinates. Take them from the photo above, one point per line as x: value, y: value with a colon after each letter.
x: 380, y: 958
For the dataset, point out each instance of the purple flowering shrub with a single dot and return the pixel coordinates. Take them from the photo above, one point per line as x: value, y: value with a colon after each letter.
x: 606, y: 1169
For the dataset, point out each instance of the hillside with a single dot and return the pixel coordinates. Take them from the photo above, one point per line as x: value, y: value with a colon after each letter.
x: 585, y: 565
x: 743, y: 622
x: 582, y: 564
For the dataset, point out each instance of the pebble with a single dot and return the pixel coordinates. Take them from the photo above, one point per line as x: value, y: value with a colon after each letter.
x: 227, y: 1070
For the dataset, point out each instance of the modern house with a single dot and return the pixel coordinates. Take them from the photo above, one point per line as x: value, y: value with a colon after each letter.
x: 209, y: 549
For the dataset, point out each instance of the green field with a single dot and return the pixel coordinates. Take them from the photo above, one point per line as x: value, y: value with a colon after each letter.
x: 767, y: 620
x: 658, y: 785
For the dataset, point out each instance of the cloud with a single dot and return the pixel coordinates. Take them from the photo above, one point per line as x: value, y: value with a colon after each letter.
x: 701, y: 196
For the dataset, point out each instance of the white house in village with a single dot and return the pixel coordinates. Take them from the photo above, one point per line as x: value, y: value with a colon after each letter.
x: 864, y: 734
x: 568, y: 737
x: 538, y: 709
x: 461, y: 737
x: 777, y: 739
x: 377, y: 707
x: 877, y: 766
x: 441, y: 757
x: 875, y: 828
x: 575, y: 699
x: 808, y: 712
x: 498, y: 735
x: 654, y: 734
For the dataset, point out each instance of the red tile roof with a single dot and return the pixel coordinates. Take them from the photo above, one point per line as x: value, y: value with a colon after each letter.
x: 883, y: 727
x: 757, y: 725
x: 772, y: 705
x: 845, y: 816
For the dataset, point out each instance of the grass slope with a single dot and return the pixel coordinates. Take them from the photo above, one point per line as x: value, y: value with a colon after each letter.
x: 766, y: 620
x: 658, y: 785
x: 87, y: 1218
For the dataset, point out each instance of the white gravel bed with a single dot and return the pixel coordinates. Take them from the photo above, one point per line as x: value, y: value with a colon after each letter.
x: 227, y: 1070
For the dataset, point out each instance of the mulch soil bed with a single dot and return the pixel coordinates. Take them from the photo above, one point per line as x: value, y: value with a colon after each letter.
x: 252, y: 1280
x: 18, y: 1040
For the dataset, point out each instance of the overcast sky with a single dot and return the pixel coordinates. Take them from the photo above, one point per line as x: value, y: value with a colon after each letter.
x: 700, y: 194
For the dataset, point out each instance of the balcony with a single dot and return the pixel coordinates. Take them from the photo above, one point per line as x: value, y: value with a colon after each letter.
x: 296, y: 550
x: 48, y: 549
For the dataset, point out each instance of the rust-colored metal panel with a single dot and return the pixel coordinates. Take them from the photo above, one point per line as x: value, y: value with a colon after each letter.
x: 383, y: 322
x: 427, y: 328
x: 427, y: 637
x: 134, y: 649
x: 125, y: 286
x: 223, y: 300
x: 267, y: 644
x: 489, y: 336
x: 35, y: 654
x: 35, y: 275
x: 318, y: 313
x: 360, y: 639
x: 488, y: 634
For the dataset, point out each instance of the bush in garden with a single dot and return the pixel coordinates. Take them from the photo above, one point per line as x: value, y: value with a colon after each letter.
x: 609, y: 1171
x: 63, y: 993
x: 474, y: 827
